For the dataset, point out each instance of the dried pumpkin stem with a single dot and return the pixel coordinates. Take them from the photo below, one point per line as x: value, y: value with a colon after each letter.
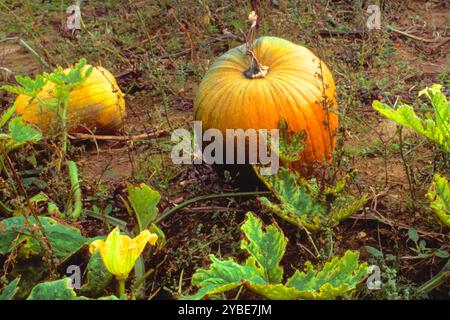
x: 256, y: 69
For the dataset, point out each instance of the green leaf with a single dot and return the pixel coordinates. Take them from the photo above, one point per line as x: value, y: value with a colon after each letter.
x: 290, y: 144
x: 31, y: 271
x: 98, y: 277
x: 71, y: 78
x: 222, y: 276
x: 344, y: 207
x: 29, y: 87
x: 161, y: 242
x: 437, y: 129
x: 10, y: 290
x: 144, y: 201
x: 297, y: 205
x: 301, y: 202
x: 64, y: 240
x: 439, y: 197
x: 7, y: 115
x: 55, y: 290
x: 266, y: 248
x: 21, y: 133
x: 412, y: 234
x: 60, y: 290
x: 337, y: 277
x: 441, y: 254
x: 374, y: 252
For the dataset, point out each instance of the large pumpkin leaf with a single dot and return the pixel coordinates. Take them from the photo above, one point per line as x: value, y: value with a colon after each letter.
x: 98, y: 277
x: 336, y: 278
x: 301, y: 202
x: 10, y: 290
x: 439, y: 195
x: 58, y: 290
x: 222, y: 276
x: 31, y: 271
x: 64, y: 240
x: 55, y: 290
x: 144, y: 201
x: 297, y: 205
x: 436, y: 128
x: 266, y: 248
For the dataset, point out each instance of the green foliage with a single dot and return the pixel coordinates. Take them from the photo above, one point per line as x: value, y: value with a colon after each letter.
x: 420, y: 247
x: 290, y: 145
x: 436, y: 127
x: 262, y: 273
x: 17, y: 232
x: 19, y: 133
x: 98, y: 277
x: 10, y: 290
x: 58, y: 290
x: 55, y: 290
x: 439, y: 196
x: 144, y: 201
x: 71, y: 79
x: 303, y: 204
x: 27, y: 86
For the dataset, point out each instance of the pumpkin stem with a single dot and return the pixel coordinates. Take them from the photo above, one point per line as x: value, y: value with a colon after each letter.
x: 256, y: 69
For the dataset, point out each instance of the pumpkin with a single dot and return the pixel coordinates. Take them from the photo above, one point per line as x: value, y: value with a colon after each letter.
x: 97, y: 105
x: 296, y: 87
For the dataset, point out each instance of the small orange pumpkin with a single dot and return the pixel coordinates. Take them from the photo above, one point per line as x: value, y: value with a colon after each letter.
x: 295, y: 88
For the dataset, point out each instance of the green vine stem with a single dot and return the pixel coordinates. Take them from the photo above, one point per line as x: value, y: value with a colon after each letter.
x: 436, y: 281
x: 5, y: 209
x: 121, y: 287
x: 75, y: 188
x: 209, y: 197
x: 64, y: 126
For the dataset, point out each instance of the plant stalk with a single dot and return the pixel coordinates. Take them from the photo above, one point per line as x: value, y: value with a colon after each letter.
x: 121, y: 287
x: 75, y: 188
x: 209, y: 197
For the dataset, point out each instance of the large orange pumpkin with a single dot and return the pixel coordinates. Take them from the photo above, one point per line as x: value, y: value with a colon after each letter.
x: 97, y: 104
x: 298, y: 88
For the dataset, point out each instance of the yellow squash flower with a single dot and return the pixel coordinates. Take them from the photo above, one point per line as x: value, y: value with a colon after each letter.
x: 119, y: 252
